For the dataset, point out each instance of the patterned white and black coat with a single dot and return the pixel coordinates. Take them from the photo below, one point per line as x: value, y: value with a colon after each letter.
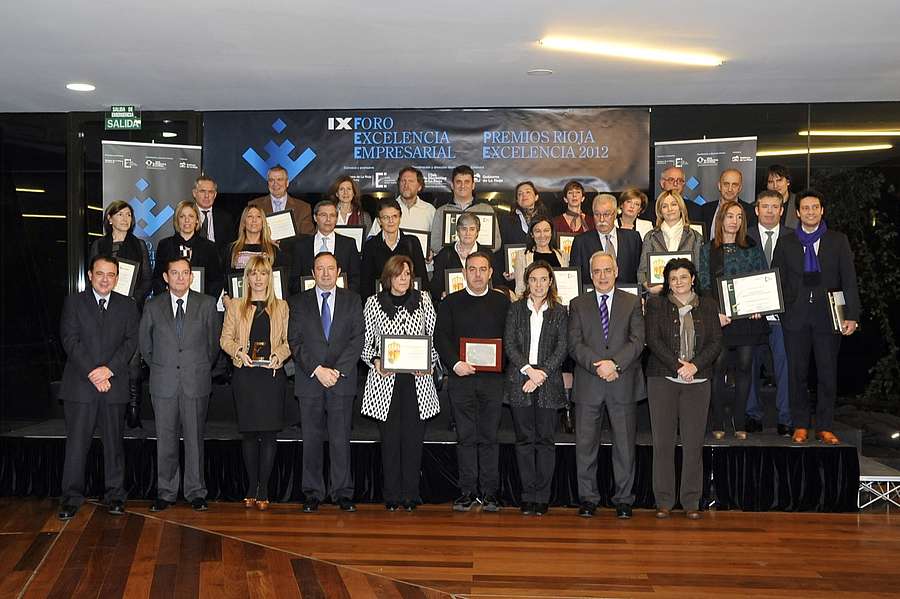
x: 416, y: 317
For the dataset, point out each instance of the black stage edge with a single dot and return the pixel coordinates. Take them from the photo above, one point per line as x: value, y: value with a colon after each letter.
x: 761, y: 474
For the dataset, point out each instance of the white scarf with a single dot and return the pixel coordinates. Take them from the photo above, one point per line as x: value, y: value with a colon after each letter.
x: 672, y: 235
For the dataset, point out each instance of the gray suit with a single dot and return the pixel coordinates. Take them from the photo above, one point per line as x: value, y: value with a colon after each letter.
x: 180, y: 386
x: 590, y: 393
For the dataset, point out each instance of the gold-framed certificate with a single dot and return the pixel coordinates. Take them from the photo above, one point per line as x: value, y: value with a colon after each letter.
x: 484, y: 355
x: 127, y: 279
x: 568, y: 284
x: 742, y: 296
x: 454, y: 280
x: 565, y: 243
x: 485, y: 231
x: 422, y: 236
x: 281, y: 225
x: 406, y: 353
x: 657, y: 261
x: 510, y: 252
x: 307, y: 283
x: 354, y: 232
x: 198, y: 280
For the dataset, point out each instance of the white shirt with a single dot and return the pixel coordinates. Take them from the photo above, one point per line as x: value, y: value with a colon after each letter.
x: 762, y: 240
x: 536, y: 323
x: 613, y: 239
x: 482, y: 294
x: 174, y: 299
x: 319, y: 238
x: 278, y: 204
x: 99, y: 297
x: 319, y: 298
x: 207, y: 214
x: 391, y: 247
x: 419, y: 217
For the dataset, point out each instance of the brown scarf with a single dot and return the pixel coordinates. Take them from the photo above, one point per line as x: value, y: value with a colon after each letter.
x: 686, y: 350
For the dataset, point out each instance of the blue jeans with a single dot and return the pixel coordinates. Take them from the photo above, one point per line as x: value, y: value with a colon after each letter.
x: 779, y: 360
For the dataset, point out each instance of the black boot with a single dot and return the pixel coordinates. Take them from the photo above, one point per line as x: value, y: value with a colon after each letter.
x: 133, y: 409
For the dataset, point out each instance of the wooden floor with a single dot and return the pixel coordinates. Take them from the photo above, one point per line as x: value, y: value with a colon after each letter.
x: 433, y: 553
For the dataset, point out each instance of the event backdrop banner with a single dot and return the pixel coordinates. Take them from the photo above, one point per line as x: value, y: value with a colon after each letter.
x: 604, y: 148
x: 703, y: 160
x: 152, y: 178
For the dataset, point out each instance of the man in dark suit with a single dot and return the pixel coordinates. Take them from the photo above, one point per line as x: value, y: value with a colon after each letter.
x: 767, y: 233
x: 606, y: 338
x: 813, y: 262
x: 98, y: 330
x: 623, y: 244
x: 278, y: 200
x: 325, y: 240
x: 326, y: 333
x: 215, y: 224
x: 179, y: 338
x: 731, y: 181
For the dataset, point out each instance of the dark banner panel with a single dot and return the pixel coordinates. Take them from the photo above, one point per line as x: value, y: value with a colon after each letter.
x: 703, y: 160
x: 604, y: 148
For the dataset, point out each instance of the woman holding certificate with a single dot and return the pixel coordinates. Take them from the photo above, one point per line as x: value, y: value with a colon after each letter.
x: 541, y: 246
x: 188, y: 243
x: 731, y: 252
x: 401, y: 400
x: 684, y: 338
x: 672, y: 233
x: 255, y: 336
x: 535, y: 342
x: 345, y: 193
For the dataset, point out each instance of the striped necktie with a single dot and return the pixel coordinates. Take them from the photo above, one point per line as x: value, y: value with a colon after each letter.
x: 604, y: 316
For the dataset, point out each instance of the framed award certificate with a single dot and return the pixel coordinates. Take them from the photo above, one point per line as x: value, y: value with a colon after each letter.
x: 743, y: 296
x: 565, y: 243
x: 568, y: 284
x: 307, y: 283
x: 510, y: 251
x: 422, y: 236
x: 354, y: 232
x: 406, y: 353
x: 417, y: 284
x: 657, y: 264
x: 281, y: 225
x: 485, y: 355
x: 198, y: 280
x: 454, y: 280
x: 485, y: 231
x: 126, y: 281
x: 236, y: 285
x: 836, y: 305
x: 699, y: 228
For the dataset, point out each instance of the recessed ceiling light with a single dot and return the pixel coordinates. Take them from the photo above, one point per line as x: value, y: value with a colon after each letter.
x: 616, y: 50
x: 80, y: 87
x: 540, y: 72
x: 169, y: 134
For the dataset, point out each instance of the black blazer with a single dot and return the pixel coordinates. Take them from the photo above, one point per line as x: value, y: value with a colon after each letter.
x: 203, y: 253
x: 310, y: 349
x: 838, y: 273
x: 552, y: 350
x: 224, y: 228
x: 753, y: 233
x: 664, y: 336
x: 628, y: 254
x: 305, y: 253
x: 376, y: 253
x: 91, y: 341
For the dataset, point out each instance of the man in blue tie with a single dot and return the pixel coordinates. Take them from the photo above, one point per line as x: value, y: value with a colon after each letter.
x: 606, y: 338
x: 325, y: 332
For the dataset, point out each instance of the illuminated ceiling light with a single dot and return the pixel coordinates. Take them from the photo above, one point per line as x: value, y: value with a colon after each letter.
x: 169, y: 134
x: 539, y: 72
x: 43, y: 215
x: 851, y: 133
x: 831, y: 150
x: 97, y: 208
x: 92, y: 234
x: 80, y: 87
x: 30, y: 190
x: 616, y: 50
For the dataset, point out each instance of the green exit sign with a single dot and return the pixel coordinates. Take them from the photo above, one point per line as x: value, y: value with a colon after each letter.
x: 123, y: 118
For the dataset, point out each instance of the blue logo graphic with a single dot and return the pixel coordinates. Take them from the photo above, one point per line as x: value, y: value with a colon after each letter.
x: 279, y: 155
x: 145, y: 222
x: 692, y: 183
x: 700, y: 200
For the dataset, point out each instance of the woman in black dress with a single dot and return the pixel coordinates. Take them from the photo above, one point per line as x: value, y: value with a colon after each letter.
x: 255, y: 336
x: 188, y: 243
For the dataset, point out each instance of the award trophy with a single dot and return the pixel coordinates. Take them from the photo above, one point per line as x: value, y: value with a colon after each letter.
x: 256, y: 354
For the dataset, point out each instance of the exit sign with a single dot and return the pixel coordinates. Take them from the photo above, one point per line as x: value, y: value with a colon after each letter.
x: 123, y: 118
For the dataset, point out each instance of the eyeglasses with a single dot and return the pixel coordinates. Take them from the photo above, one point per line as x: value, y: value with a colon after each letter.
x: 673, y: 180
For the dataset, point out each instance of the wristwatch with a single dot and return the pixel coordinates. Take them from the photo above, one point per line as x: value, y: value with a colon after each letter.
x: 618, y: 368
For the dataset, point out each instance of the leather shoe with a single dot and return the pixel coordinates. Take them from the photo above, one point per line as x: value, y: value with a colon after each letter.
x: 527, y: 508
x: 663, y: 513
x: 199, y: 504
x: 785, y: 430
x: 541, y: 508
x: 800, y: 435
x: 160, y: 504
x: 117, y: 507
x: 67, y: 512
x: 311, y: 506
x: 391, y: 506
x: 623, y: 511
x: 827, y: 437
x: 587, y: 509
x: 753, y: 425
x: 346, y: 504
x: 262, y: 505
x: 694, y: 515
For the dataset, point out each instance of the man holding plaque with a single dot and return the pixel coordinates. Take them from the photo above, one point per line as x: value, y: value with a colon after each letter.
x: 325, y: 215
x: 325, y: 333
x: 98, y: 330
x: 278, y: 200
x: 624, y: 245
x: 606, y: 339
x: 475, y: 318
x: 463, y: 181
x: 815, y: 264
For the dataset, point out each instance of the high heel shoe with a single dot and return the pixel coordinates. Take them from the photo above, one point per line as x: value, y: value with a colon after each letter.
x: 262, y: 504
x: 249, y: 502
x: 718, y: 435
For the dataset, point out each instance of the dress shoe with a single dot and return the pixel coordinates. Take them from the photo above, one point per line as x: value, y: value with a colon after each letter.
x: 67, y: 512
x: 346, y: 504
x: 694, y: 515
x: 587, y: 509
x: 311, y: 506
x: 391, y: 506
x: 199, y: 504
x: 541, y: 509
x: 827, y: 437
x: 753, y: 425
x: 490, y: 503
x: 740, y: 435
x: 465, y: 503
x: 117, y: 507
x: 800, y: 435
x: 718, y: 435
x: 785, y: 430
x: 410, y: 506
x: 623, y: 511
x: 663, y: 513
x: 527, y: 508
x: 262, y: 504
x: 159, y: 505
x: 249, y: 502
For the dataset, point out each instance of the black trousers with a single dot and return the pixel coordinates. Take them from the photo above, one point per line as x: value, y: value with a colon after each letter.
x: 402, y: 436
x: 825, y: 346
x: 327, y: 417
x: 722, y: 404
x: 476, y: 401
x: 81, y: 420
x: 535, y: 450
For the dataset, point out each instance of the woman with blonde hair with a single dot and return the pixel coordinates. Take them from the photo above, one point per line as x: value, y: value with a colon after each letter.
x: 255, y: 336
x: 188, y: 243
x: 673, y: 233
x: 254, y: 239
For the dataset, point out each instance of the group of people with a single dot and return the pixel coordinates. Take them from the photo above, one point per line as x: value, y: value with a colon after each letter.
x: 606, y: 350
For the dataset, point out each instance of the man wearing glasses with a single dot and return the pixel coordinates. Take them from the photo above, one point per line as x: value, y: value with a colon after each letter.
x: 673, y: 179
x: 378, y: 249
x: 622, y: 244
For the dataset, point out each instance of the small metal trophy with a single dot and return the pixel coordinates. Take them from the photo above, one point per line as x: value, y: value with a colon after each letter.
x: 257, y: 358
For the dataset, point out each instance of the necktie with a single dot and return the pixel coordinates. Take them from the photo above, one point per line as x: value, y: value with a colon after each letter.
x: 179, y: 318
x: 324, y: 247
x: 768, y: 247
x: 102, y: 308
x: 610, y: 248
x: 204, y: 227
x: 604, y: 316
x: 326, y: 314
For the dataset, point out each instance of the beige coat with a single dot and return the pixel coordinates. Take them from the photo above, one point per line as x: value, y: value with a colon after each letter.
x: 524, y: 260
x: 236, y: 331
